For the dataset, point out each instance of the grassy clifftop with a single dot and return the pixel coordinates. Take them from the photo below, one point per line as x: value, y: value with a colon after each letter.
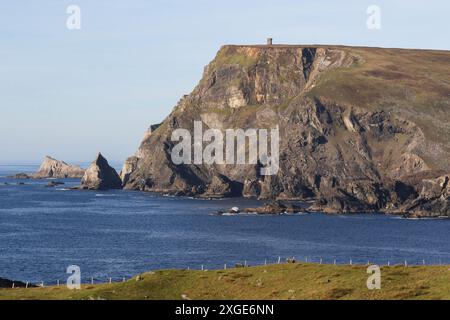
x: 285, y: 281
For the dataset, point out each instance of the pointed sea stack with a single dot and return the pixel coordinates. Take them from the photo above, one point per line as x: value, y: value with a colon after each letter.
x: 101, y: 176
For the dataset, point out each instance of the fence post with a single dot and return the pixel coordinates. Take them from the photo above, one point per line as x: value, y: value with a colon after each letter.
x: 42, y: 284
x: 245, y: 263
x: 423, y: 262
x: 406, y: 263
x: 389, y: 263
x: 265, y: 262
x: 334, y: 262
x: 26, y: 285
x: 57, y: 281
x: 110, y: 280
x: 92, y: 280
x: 279, y: 260
x: 13, y: 285
x: 225, y: 266
x: 123, y: 280
x: 320, y: 260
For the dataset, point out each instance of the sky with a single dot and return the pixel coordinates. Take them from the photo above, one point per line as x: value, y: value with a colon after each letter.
x: 72, y: 93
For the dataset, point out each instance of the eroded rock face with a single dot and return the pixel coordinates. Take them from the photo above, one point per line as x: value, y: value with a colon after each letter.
x: 52, y: 168
x: 128, y: 167
x: 433, y: 199
x: 101, y: 176
x: 345, y: 142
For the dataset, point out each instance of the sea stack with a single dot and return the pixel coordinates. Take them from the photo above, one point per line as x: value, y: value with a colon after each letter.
x: 52, y: 168
x: 101, y: 176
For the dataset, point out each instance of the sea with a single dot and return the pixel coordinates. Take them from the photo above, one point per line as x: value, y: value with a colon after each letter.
x: 118, y: 234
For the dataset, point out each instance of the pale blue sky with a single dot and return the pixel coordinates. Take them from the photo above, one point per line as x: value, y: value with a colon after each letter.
x: 71, y: 94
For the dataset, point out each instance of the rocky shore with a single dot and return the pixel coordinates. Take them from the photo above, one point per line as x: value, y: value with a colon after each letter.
x: 349, y: 139
x: 354, y: 137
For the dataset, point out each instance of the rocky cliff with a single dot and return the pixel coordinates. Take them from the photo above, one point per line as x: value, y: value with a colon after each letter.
x: 52, y: 168
x: 361, y: 129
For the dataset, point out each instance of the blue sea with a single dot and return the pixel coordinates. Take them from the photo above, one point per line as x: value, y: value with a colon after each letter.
x: 122, y: 233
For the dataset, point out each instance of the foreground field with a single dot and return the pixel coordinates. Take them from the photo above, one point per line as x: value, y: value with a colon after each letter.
x: 284, y: 281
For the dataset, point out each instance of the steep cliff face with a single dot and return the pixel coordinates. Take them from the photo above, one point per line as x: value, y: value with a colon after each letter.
x: 357, y: 125
x: 52, y: 168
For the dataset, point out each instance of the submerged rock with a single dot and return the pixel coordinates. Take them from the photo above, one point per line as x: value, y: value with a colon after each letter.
x: 101, y: 176
x: 52, y: 168
x: 52, y: 184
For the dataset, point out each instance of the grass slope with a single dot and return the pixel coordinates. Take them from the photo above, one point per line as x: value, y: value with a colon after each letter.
x: 284, y: 281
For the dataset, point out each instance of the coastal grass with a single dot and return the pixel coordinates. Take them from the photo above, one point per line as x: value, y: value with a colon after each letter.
x: 283, y: 281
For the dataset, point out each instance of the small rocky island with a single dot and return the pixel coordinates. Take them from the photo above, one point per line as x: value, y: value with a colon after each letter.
x: 101, y: 176
x: 52, y: 168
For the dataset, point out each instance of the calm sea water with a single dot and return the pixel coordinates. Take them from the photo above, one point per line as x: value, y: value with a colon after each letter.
x: 122, y: 233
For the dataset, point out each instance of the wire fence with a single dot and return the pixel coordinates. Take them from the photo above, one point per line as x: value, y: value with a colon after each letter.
x: 241, y: 264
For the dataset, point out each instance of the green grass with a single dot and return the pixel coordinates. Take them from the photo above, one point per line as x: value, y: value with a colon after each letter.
x: 284, y: 281
x: 412, y: 83
x: 229, y: 55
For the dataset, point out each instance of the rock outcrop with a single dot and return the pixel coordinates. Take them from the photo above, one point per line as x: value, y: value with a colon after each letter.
x: 361, y: 129
x: 278, y: 207
x: 431, y: 198
x: 52, y: 168
x: 100, y: 176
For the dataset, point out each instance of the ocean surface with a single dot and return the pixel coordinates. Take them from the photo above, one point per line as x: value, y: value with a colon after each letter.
x: 122, y: 233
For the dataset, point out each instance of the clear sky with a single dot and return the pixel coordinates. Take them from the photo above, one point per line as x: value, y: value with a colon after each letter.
x: 72, y: 93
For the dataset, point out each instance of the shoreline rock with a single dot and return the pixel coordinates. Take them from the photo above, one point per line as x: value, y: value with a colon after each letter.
x: 275, y: 207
